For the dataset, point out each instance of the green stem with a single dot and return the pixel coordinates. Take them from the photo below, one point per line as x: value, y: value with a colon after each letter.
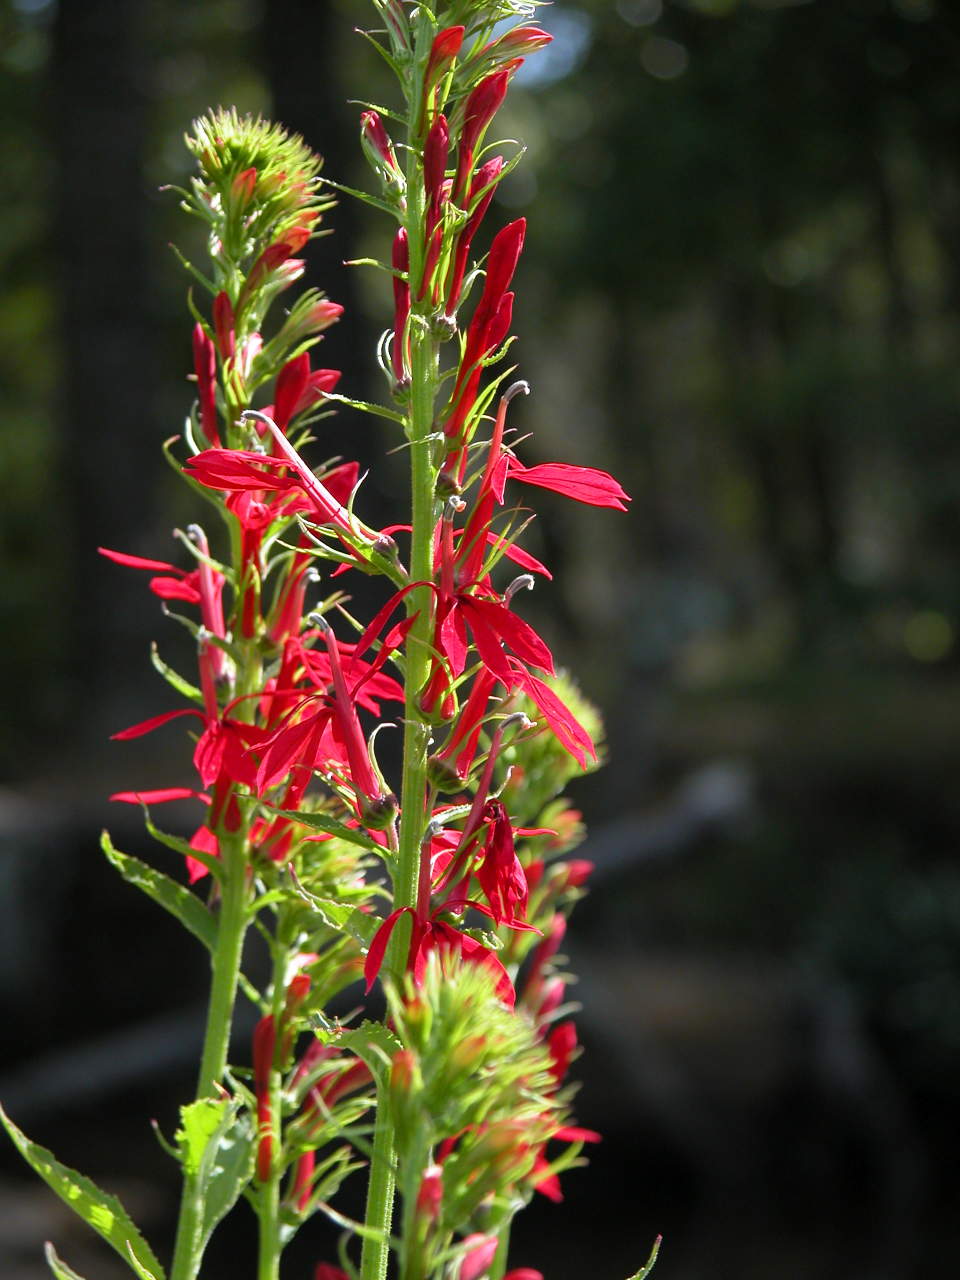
x: 268, y: 1201
x: 499, y: 1265
x: 424, y: 381
x: 268, y: 1258
x: 225, y: 964
x: 375, y: 1252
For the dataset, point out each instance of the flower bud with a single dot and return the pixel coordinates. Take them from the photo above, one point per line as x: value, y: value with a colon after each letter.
x: 467, y: 1055
x: 223, y: 325
x: 480, y: 1253
x: 430, y: 1195
x: 404, y: 1073
x: 519, y: 42
x: 446, y: 45
x: 379, y: 813
x: 297, y: 992
x: 443, y: 776
x: 378, y: 148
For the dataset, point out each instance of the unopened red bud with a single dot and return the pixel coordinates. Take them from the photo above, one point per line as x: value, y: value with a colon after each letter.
x: 467, y: 1054
x: 523, y: 1273
x: 223, y: 325
x: 289, y: 272
x: 205, y: 369
x: 562, y: 1044
x: 574, y: 874
x: 552, y: 997
x: 521, y: 40
x: 297, y: 237
x: 378, y: 148
x: 264, y: 1043
x: 446, y: 45
x: 297, y: 992
x: 503, y: 258
x: 435, y: 159
x: 401, y: 304
x: 481, y: 1251
x: 243, y: 185
x: 373, y: 132
x: 430, y: 1195
x: 534, y: 871
x: 303, y: 1181
x: 404, y: 1070
x: 323, y: 314
x: 482, y: 105
x: 499, y: 325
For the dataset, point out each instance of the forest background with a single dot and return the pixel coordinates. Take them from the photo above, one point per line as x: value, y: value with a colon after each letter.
x: 741, y: 295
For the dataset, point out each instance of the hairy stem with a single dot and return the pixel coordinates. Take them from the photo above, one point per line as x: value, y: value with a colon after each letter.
x: 225, y: 964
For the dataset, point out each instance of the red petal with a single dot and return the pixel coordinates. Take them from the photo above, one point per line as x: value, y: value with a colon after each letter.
x: 519, y: 635
x: 569, y: 732
x: 138, y: 562
x: 148, y: 726
x: 160, y: 796
x: 378, y: 946
x: 583, y: 484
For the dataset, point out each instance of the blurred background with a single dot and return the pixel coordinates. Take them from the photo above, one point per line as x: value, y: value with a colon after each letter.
x: 740, y: 294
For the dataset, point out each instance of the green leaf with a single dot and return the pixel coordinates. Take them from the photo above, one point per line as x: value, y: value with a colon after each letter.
x: 379, y: 410
x: 341, y: 917
x: 198, y: 1123
x: 58, y: 1266
x: 216, y: 1148
x: 175, y: 898
x: 138, y: 1266
x: 175, y: 678
x: 103, y: 1212
x: 179, y: 845
x: 374, y: 201
x: 374, y: 1043
x: 332, y: 826
x: 645, y: 1270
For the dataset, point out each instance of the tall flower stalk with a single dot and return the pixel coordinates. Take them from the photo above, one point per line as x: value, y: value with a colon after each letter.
x: 450, y: 885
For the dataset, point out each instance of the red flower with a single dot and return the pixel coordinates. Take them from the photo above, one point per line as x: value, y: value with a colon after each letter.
x: 430, y: 934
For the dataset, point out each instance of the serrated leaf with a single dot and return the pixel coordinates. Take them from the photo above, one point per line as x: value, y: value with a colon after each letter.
x: 103, y: 1212
x: 173, y: 897
x: 342, y: 917
x: 216, y: 1150
x: 332, y: 826
x: 174, y: 678
x: 645, y: 1270
x: 199, y: 1121
x: 226, y: 1167
x: 374, y: 1043
x: 58, y: 1266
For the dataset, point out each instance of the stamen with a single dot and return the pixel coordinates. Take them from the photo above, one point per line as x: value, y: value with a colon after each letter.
x: 522, y: 583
